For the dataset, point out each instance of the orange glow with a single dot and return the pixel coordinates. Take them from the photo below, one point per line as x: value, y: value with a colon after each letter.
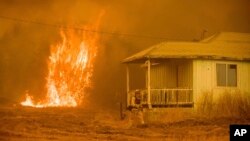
x: 70, y: 69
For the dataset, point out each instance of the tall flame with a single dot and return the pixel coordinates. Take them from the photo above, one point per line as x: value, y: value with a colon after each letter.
x: 70, y: 68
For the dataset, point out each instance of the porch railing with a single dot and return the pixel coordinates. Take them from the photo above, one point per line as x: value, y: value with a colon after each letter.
x: 168, y: 97
x: 172, y: 97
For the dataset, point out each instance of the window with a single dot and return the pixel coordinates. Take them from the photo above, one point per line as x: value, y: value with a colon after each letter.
x: 221, y: 74
x: 226, y: 75
x: 232, y: 75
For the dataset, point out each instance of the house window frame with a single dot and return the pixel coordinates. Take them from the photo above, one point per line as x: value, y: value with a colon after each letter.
x: 227, y: 65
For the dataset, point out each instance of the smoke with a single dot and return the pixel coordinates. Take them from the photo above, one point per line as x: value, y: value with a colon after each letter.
x: 24, y: 47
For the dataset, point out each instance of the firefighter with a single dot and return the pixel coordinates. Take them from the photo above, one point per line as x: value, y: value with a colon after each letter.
x: 136, y: 106
x: 136, y: 100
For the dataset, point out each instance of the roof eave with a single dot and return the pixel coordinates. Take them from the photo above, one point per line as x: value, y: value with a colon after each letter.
x: 209, y: 57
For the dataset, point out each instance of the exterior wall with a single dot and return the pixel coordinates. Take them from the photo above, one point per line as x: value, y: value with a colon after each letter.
x: 172, y: 73
x: 205, y: 81
x: 185, y: 74
x: 244, y: 77
x: 163, y: 75
x: 202, y: 78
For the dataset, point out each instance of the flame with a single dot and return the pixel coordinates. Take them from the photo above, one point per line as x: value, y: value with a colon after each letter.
x: 28, y: 101
x: 70, y: 69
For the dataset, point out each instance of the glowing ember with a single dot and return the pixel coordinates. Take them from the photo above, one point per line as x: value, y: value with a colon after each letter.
x: 70, y: 69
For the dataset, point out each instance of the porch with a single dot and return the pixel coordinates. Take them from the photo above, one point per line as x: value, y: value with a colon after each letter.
x: 178, y: 97
x: 168, y: 84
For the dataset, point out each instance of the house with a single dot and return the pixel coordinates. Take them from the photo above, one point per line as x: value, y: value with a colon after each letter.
x: 178, y: 73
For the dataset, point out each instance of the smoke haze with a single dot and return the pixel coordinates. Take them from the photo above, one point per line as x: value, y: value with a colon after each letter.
x: 24, y: 46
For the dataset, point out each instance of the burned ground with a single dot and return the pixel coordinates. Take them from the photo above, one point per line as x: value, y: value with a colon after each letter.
x: 19, y: 123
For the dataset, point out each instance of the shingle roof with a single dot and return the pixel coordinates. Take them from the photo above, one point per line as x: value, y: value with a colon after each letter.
x: 225, y: 46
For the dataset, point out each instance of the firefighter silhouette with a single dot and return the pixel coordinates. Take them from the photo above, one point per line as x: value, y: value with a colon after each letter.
x: 136, y: 106
x: 136, y: 99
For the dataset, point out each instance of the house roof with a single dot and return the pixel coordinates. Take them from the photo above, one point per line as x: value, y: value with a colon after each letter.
x: 221, y: 46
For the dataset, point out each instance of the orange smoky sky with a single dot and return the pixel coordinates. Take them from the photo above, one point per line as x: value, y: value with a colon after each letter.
x: 24, y: 46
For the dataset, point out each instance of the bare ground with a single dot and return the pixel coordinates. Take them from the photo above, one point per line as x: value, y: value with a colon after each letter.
x: 18, y: 123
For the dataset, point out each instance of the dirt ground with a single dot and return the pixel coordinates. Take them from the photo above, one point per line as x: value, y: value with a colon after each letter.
x: 19, y: 123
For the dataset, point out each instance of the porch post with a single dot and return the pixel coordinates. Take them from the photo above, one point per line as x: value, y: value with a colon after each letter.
x: 127, y: 78
x: 149, y: 93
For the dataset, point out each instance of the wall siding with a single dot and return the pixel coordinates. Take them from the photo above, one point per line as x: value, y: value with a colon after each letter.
x: 204, y: 78
x: 244, y: 77
x: 172, y: 74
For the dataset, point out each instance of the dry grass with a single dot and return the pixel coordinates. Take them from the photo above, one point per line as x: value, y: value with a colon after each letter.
x: 86, y: 124
x: 228, y: 105
x: 167, y: 115
x: 177, y: 124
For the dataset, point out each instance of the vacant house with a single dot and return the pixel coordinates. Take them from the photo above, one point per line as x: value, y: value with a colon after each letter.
x: 178, y: 73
